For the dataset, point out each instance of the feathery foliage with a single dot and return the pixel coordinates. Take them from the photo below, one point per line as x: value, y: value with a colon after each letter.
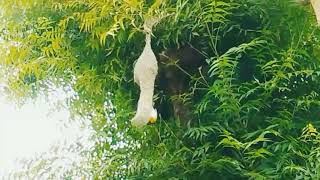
x: 256, y: 103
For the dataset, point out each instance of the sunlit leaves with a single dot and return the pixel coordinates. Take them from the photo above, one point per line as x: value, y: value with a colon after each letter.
x: 309, y: 132
x: 260, y: 85
x: 199, y: 133
x: 231, y: 142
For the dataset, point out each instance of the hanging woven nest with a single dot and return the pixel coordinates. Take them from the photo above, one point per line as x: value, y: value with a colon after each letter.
x: 316, y: 7
x: 145, y: 72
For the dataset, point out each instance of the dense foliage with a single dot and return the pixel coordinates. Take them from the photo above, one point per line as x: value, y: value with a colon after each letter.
x: 256, y: 103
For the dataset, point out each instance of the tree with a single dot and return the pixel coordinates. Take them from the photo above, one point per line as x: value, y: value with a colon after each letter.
x: 254, y: 105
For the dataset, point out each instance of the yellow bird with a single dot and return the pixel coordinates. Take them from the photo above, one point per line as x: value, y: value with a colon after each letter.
x: 153, y: 117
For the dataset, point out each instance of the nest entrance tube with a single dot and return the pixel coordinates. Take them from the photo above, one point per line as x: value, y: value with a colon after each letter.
x: 316, y: 7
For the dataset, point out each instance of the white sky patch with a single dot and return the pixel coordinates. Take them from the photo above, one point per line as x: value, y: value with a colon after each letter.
x: 29, y: 131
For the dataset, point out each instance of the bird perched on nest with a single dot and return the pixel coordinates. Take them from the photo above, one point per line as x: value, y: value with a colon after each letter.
x: 145, y: 72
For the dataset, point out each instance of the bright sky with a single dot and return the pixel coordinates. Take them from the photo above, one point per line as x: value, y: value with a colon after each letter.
x: 28, y: 131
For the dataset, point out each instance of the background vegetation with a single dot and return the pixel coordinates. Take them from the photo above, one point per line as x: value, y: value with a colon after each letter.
x: 255, y: 106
